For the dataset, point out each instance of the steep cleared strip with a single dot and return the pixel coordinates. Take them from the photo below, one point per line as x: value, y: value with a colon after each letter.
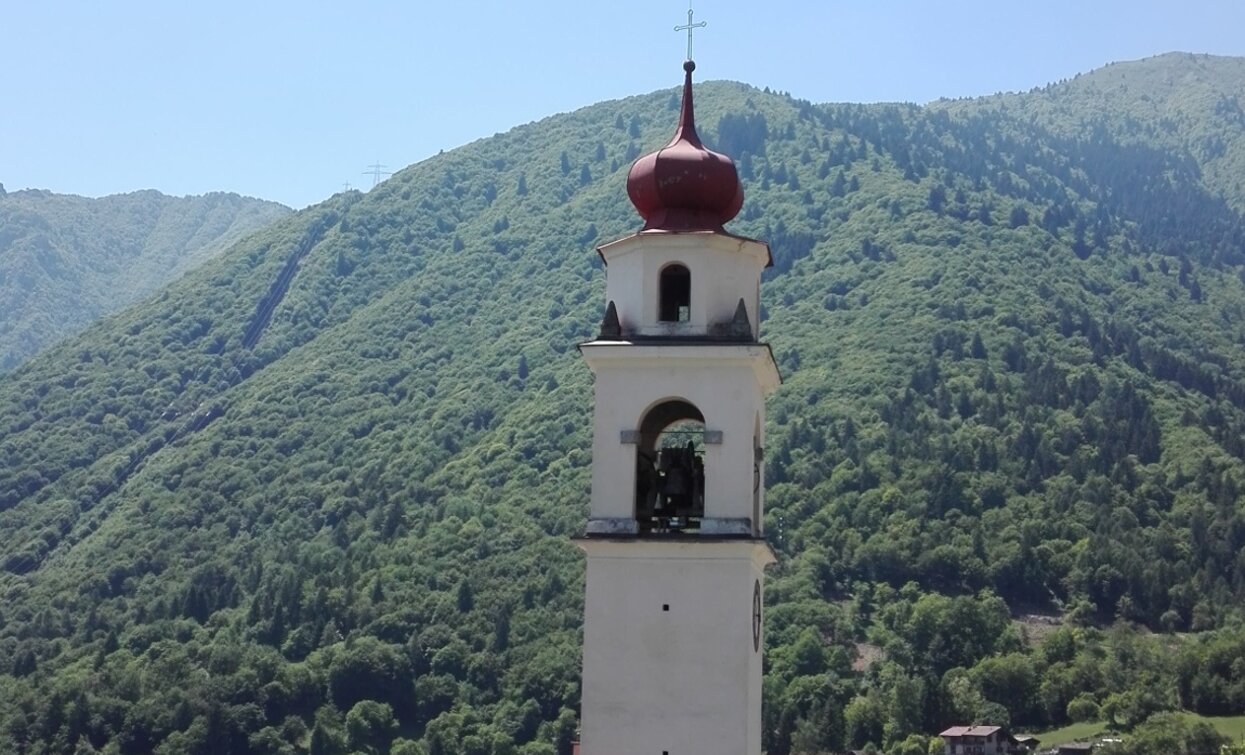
x: 268, y: 304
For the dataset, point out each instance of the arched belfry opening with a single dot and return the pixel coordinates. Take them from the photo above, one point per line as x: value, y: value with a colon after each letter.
x: 670, y: 469
x: 674, y: 295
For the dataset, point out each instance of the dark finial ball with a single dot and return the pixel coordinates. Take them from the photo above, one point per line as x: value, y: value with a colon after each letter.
x: 689, y: 65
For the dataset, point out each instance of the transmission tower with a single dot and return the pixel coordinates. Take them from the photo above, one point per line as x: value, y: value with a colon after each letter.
x: 376, y: 170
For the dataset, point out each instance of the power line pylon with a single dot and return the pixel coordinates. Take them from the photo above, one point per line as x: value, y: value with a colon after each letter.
x: 376, y: 170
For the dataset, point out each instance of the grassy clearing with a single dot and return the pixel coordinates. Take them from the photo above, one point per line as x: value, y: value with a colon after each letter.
x: 1071, y: 733
x: 1232, y: 727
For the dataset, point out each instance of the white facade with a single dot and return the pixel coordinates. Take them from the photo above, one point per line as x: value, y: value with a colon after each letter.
x: 672, y: 621
x: 670, y: 662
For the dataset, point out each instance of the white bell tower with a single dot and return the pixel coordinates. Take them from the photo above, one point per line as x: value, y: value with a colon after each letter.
x: 674, y: 542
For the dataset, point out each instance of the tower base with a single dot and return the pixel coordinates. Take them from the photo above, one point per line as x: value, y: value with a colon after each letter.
x: 672, y: 646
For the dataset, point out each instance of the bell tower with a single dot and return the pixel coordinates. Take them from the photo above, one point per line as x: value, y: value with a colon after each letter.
x: 674, y: 542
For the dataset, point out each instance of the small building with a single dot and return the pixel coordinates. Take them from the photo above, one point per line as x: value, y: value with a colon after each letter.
x: 985, y: 740
x: 1076, y: 748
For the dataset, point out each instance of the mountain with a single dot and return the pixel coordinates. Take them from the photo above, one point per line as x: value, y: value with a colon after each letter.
x: 317, y: 495
x: 66, y: 260
x: 1183, y: 103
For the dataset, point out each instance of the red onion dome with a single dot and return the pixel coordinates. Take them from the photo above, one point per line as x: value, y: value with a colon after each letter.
x: 684, y: 186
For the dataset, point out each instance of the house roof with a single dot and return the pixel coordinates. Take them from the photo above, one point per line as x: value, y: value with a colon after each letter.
x: 970, y: 731
x: 1076, y: 747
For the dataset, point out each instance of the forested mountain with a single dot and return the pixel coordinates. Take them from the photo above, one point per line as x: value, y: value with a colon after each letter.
x: 1188, y: 104
x: 67, y: 260
x: 318, y: 495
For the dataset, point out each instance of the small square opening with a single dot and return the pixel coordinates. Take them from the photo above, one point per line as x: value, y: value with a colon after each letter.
x: 665, y: 606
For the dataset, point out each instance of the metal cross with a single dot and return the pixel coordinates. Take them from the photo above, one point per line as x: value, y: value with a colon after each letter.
x: 688, y: 28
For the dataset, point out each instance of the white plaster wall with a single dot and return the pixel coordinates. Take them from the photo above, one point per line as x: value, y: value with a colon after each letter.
x: 728, y: 383
x: 686, y: 681
x: 724, y: 269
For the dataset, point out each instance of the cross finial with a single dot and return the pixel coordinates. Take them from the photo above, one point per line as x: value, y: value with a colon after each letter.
x: 688, y: 28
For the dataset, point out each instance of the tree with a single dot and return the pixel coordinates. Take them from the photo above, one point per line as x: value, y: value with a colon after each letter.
x: 565, y: 727
x: 1019, y: 216
x: 407, y: 747
x: 914, y: 744
x: 328, y: 736
x: 906, y: 710
x: 1169, y: 734
x: 978, y: 348
x: 864, y: 719
x: 823, y: 731
x: 369, y: 669
x: 1083, y: 708
x: 1010, y: 681
x: 1127, y: 709
x: 435, y: 694
x: 466, y: 596
x: 370, y: 726
x: 961, y: 690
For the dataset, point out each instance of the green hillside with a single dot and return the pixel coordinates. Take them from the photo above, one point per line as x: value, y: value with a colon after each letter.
x: 318, y: 494
x: 1191, y: 104
x: 67, y: 260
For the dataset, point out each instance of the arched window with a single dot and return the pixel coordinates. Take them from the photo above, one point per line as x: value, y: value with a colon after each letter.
x: 674, y: 296
x: 670, y: 469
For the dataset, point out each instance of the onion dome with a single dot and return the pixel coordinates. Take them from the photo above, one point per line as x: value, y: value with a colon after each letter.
x: 685, y: 186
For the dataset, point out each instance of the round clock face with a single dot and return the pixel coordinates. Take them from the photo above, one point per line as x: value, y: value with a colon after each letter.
x: 756, y: 616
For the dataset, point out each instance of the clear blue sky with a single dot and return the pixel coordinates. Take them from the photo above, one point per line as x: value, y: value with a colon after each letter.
x: 290, y: 100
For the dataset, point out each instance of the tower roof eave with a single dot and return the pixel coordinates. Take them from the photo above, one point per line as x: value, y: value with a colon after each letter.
x: 769, y: 255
